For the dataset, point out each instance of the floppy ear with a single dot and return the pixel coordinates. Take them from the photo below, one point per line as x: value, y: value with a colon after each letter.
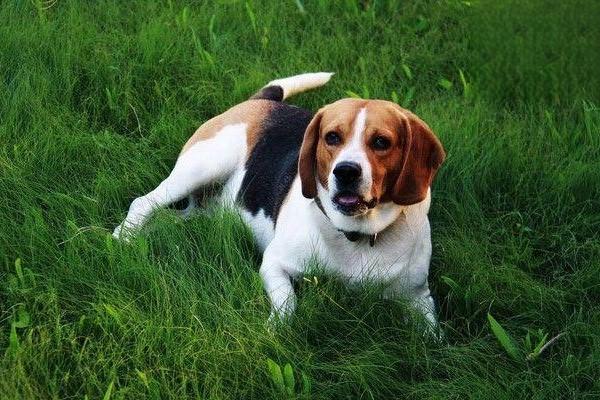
x: 422, y: 155
x: 307, y: 163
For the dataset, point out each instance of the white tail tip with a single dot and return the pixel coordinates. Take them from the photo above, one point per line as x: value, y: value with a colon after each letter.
x: 300, y: 83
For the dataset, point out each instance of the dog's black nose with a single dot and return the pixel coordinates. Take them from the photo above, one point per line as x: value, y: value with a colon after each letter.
x: 347, y: 172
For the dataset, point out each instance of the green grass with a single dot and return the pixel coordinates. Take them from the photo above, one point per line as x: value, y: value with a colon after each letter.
x: 96, y: 100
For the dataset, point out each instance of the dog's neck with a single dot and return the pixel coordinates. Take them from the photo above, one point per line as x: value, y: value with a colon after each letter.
x: 374, y: 222
x: 352, y: 236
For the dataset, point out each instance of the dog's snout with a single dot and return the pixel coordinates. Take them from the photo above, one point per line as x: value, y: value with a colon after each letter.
x: 347, y: 172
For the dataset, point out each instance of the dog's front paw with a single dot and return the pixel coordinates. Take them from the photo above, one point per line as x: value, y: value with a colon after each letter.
x: 278, y: 318
x: 274, y: 319
x: 434, y: 332
x: 123, y: 232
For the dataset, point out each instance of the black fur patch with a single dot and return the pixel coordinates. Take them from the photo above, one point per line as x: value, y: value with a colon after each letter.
x: 274, y: 93
x: 273, y: 163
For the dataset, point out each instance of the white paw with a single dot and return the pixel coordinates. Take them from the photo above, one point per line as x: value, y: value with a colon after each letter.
x: 278, y: 317
x: 123, y: 232
x: 432, y: 330
x: 273, y: 319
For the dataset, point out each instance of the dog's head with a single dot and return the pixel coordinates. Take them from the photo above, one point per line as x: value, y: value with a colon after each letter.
x: 360, y: 155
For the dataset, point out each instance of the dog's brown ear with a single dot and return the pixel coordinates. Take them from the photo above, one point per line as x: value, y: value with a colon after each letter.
x: 422, y: 156
x: 307, y: 162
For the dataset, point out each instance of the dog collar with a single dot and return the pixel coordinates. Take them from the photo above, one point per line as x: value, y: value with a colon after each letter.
x: 352, y: 236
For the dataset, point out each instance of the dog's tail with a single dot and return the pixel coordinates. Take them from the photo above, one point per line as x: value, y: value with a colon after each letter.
x: 281, y: 89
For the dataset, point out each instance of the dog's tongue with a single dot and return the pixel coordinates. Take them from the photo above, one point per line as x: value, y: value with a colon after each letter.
x: 348, y: 200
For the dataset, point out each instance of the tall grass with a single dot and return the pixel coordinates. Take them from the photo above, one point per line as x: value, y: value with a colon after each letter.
x: 96, y: 100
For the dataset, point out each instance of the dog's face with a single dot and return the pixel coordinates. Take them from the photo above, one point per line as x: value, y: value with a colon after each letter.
x: 367, y: 153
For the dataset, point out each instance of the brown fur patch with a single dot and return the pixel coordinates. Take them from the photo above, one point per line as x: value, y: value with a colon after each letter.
x: 250, y: 112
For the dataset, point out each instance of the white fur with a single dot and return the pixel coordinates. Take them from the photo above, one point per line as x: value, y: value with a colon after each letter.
x: 300, y: 83
x: 262, y: 227
x: 232, y: 186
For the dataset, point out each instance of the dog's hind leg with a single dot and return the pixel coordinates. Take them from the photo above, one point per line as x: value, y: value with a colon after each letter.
x: 205, y: 161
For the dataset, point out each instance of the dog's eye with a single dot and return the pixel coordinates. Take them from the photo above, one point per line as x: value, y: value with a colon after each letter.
x: 332, y: 138
x: 381, y: 143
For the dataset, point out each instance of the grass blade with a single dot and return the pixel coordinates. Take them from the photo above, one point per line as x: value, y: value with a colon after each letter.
x: 290, y: 381
x: 251, y: 16
x: 276, y: 375
x: 504, y: 338
x: 108, y: 392
x: 306, y: 384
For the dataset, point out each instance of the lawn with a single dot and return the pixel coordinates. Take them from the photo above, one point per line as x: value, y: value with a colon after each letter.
x: 97, y: 98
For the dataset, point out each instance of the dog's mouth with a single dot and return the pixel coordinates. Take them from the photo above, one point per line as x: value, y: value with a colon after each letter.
x: 351, y: 203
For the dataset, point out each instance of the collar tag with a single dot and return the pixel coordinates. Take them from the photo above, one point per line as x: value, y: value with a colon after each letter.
x: 372, y: 239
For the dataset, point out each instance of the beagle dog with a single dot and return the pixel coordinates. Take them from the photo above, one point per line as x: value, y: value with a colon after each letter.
x: 348, y: 186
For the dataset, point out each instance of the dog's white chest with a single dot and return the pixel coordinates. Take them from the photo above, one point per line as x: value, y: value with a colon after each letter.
x: 388, y: 259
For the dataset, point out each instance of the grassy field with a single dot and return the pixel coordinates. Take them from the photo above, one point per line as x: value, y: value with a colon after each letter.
x: 97, y: 98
